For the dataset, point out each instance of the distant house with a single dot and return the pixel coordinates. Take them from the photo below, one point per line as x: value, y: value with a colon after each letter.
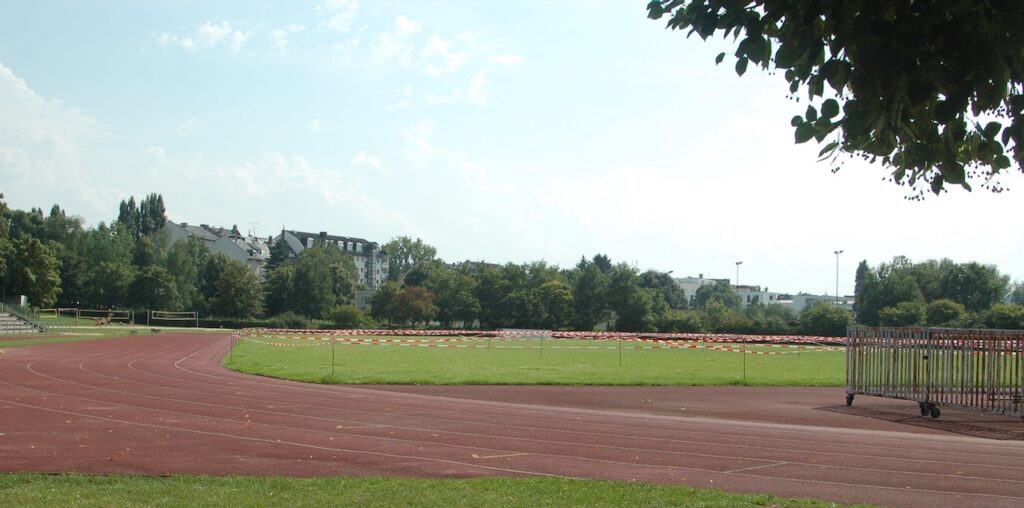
x: 370, y: 259
x: 204, y: 232
x: 249, y: 250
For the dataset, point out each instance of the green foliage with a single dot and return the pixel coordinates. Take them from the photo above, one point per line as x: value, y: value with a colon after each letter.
x: 34, y: 271
x: 145, y: 219
x: 973, y: 285
x: 383, y: 300
x: 1017, y: 293
x: 590, y: 289
x: 154, y: 288
x: 405, y: 253
x: 454, y: 296
x: 348, y: 317
x: 290, y: 320
x: 673, y: 295
x: 905, y: 83
x: 903, y: 314
x: 414, y: 305
x: 680, y: 321
x: 1006, y: 317
x: 719, y: 292
x: 944, y: 313
x: 238, y: 293
x: 278, y: 289
x: 184, y: 261
x: 106, y: 285
x: 825, y: 320
x: 556, y: 299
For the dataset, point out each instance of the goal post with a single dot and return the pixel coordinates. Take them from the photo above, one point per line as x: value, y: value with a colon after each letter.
x: 173, y: 318
x: 106, y: 316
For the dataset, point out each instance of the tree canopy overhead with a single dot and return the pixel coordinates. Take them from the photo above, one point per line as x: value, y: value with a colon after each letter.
x: 932, y: 90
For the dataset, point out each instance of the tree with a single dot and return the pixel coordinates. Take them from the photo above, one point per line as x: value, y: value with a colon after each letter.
x: 974, y: 285
x: 943, y: 313
x: 556, y: 299
x: 824, y: 320
x: 414, y: 305
x: 909, y: 313
x: 154, y: 289
x: 404, y: 253
x: 278, y: 289
x: 146, y: 218
x: 590, y: 287
x: 184, y: 261
x: 279, y: 253
x: 673, y: 294
x: 324, y: 277
x: 931, y: 89
x: 106, y: 285
x: 210, y: 273
x: 455, y: 300
x: 720, y: 291
x: 1006, y: 317
x: 238, y: 293
x: 383, y: 300
x: 1017, y: 294
x: 34, y: 271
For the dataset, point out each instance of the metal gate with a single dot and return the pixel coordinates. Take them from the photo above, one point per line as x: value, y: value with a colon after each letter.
x: 975, y: 369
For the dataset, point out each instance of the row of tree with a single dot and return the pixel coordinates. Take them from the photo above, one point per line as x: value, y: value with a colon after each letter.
x: 132, y: 264
x: 937, y: 293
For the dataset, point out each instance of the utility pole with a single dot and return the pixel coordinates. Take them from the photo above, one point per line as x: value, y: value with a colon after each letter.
x: 837, y: 253
x: 738, y: 263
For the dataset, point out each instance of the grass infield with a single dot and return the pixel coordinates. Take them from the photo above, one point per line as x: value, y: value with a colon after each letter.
x: 532, y: 361
x: 35, y: 490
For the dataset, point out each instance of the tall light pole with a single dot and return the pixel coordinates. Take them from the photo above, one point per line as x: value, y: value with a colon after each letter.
x: 738, y: 263
x: 837, y: 253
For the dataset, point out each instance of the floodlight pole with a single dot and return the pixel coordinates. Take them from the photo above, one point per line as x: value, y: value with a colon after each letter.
x: 738, y: 263
x: 837, y: 253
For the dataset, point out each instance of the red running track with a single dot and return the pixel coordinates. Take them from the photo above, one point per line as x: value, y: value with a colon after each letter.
x: 161, y: 404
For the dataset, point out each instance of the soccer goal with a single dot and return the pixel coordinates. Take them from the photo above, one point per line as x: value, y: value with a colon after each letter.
x: 171, y: 318
x: 106, y: 317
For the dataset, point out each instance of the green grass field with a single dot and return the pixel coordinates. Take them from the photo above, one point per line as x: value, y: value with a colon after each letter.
x: 532, y: 361
x: 34, y: 490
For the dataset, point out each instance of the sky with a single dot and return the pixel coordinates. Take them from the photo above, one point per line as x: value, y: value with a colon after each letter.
x: 503, y: 131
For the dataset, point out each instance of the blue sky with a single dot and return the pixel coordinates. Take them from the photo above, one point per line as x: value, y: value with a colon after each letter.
x: 498, y: 131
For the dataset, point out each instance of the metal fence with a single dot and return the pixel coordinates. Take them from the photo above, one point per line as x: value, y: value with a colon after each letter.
x: 975, y: 369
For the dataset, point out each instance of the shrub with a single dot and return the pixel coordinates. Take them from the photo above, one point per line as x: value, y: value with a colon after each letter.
x: 902, y: 314
x: 348, y: 316
x: 289, y: 319
x: 824, y: 319
x: 1006, y: 316
x: 944, y: 313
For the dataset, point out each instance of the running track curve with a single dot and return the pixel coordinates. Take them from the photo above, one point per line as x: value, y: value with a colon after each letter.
x: 162, y: 404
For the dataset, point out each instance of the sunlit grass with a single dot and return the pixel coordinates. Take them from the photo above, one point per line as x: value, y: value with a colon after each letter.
x: 33, y: 490
x: 532, y: 361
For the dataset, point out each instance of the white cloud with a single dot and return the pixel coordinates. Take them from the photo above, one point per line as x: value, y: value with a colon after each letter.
x: 41, y: 145
x: 394, y: 46
x: 439, y: 57
x: 508, y: 59
x: 476, y: 93
x: 314, y: 125
x: 340, y: 13
x: 367, y: 160
x: 207, y: 36
x: 280, y: 36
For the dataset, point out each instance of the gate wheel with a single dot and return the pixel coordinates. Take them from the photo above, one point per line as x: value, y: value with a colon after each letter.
x: 934, y: 411
x: 849, y: 400
x: 924, y: 408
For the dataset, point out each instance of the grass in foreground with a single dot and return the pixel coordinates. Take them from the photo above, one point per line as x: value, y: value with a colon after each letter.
x: 311, y: 361
x: 32, y: 490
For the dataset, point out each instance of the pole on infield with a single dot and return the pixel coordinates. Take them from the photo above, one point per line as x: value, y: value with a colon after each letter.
x: 743, y: 351
x: 332, y: 358
x: 620, y: 352
x: 148, y: 312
